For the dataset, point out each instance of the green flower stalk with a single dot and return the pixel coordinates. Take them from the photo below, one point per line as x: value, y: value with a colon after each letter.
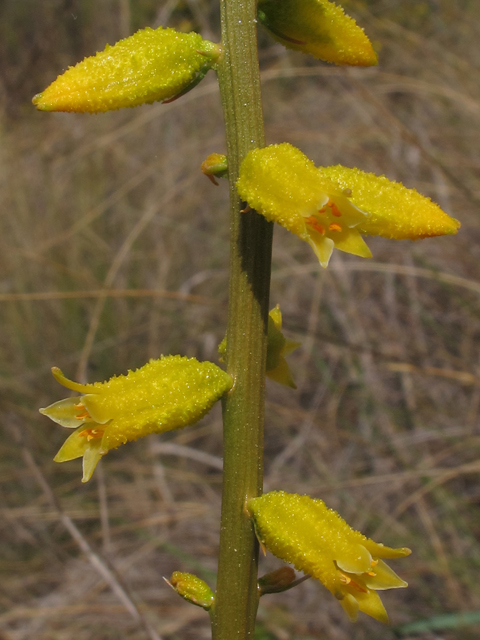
x: 152, y: 65
x: 315, y: 539
x: 333, y: 206
x: 170, y: 393
x: 319, y: 28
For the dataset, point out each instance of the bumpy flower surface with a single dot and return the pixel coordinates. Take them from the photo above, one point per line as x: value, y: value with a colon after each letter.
x: 192, y: 589
x: 319, y: 28
x: 315, y: 539
x: 165, y: 394
x: 153, y: 64
x: 332, y: 206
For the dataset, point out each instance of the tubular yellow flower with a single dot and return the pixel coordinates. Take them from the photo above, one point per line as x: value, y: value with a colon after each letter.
x: 277, y: 348
x: 152, y: 65
x: 319, y: 28
x: 315, y: 539
x: 332, y: 206
x: 165, y: 394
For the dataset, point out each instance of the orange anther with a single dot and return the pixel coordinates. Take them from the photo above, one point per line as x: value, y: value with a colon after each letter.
x: 334, y: 226
x: 91, y: 434
x: 345, y: 579
x: 374, y: 563
x: 371, y: 573
x: 313, y: 222
x: 83, y: 413
x: 324, y: 208
x: 335, y: 210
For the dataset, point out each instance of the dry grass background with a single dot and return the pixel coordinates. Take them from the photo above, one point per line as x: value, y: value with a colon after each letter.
x: 385, y: 423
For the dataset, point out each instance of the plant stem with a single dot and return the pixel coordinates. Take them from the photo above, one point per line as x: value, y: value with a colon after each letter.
x: 236, y: 604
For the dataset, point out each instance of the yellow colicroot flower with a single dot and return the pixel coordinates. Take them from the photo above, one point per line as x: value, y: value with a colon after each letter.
x: 304, y: 532
x: 333, y: 206
x: 277, y: 348
x: 319, y: 28
x: 165, y: 394
x: 152, y: 65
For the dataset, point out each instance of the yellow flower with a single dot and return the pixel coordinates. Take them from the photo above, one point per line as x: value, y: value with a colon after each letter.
x: 277, y: 348
x: 319, y: 28
x: 332, y: 206
x: 315, y: 539
x: 152, y: 65
x: 165, y: 394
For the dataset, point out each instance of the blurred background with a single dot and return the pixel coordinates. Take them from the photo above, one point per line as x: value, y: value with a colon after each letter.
x: 114, y: 249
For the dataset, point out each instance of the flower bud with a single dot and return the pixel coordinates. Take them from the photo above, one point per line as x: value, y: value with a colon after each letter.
x: 192, y: 589
x: 277, y: 581
x: 215, y: 166
x: 319, y: 28
x: 152, y: 65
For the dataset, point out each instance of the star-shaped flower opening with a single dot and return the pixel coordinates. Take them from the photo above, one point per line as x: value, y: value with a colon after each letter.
x: 332, y: 207
x: 315, y: 539
x: 165, y: 394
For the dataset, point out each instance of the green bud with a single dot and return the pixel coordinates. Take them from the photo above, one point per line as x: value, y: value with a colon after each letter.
x: 215, y: 166
x: 192, y: 589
